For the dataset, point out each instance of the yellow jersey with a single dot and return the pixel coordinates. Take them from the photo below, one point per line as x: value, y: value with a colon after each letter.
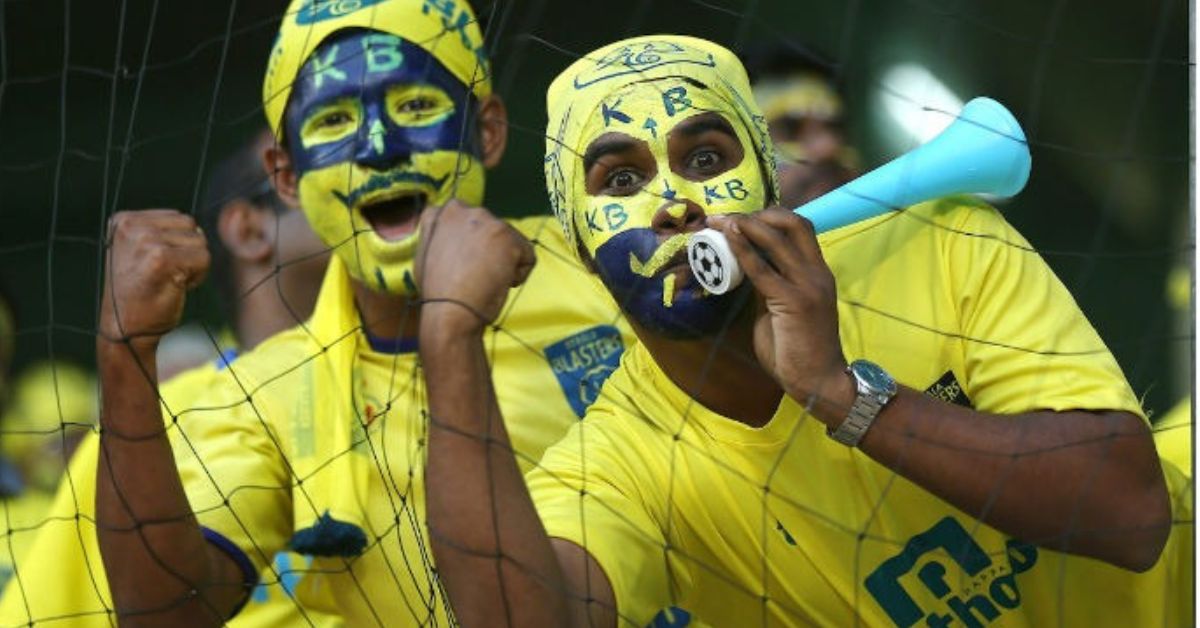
x: 558, y: 338
x: 731, y: 525
x: 72, y: 589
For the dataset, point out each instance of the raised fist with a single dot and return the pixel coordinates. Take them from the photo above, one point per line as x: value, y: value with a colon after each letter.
x: 153, y: 258
x: 469, y: 259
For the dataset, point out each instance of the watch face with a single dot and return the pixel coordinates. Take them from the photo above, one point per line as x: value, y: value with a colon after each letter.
x: 874, y: 376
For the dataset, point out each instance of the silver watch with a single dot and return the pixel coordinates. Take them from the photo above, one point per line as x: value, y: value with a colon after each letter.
x: 875, y: 389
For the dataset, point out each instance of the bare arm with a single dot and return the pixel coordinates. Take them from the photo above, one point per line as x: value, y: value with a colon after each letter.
x: 160, y: 568
x: 498, y: 565
x: 1083, y: 482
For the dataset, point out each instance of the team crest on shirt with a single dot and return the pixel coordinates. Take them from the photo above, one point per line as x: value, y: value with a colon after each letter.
x: 969, y: 587
x: 583, y: 362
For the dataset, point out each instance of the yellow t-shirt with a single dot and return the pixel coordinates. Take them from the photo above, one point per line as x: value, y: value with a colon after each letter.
x: 559, y: 336
x: 72, y: 589
x: 20, y: 517
x: 1173, y: 435
x: 783, y: 526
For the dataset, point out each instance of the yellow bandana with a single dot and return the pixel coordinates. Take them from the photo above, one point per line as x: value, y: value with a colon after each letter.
x: 447, y: 29
x: 688, y: 76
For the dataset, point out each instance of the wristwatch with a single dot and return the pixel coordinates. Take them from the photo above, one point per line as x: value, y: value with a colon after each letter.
x: 875, y: 389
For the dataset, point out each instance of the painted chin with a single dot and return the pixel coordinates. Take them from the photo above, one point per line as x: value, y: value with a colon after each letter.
x: 669, y: 303
x: 394, y: 219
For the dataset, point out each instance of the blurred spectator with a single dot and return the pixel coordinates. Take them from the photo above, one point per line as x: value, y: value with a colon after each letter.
x: 267, y: 267
x: 806, y: 114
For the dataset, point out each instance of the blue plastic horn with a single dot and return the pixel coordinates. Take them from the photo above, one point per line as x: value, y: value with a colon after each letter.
x: 983, y: 152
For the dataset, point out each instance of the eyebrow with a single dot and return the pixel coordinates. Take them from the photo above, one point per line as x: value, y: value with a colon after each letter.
x: 703, y: 123
x: 606, y: 146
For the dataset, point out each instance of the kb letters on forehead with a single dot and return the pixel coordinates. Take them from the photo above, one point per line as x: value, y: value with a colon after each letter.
x: 381, y: 53
x: 674, y: 101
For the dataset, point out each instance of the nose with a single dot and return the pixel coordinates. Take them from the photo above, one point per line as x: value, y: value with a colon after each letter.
x: 678, y: 215
x: 380, y: 145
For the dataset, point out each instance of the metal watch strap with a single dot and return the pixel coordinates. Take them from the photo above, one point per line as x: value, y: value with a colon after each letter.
x: 866, y: 406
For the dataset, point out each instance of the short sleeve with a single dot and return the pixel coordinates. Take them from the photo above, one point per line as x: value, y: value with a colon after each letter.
x: 232, y: 467
x: 1027, y: 344
x: 586, y: 492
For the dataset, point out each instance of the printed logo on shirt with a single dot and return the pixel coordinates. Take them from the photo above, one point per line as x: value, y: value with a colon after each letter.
x: 582, y: 362
x: 949, y: 390
x: 945, y: 562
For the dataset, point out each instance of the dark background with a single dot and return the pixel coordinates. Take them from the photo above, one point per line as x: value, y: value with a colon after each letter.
x: 107, y: 105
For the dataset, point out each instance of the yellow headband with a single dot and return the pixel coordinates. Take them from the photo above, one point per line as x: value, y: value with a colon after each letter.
x: 447, y: 29
x: 576, y: 96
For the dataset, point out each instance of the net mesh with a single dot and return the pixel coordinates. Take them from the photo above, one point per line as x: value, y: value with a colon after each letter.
x: 112, y: 105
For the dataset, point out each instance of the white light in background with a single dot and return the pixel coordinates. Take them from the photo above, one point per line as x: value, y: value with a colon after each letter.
x: 918, y: 103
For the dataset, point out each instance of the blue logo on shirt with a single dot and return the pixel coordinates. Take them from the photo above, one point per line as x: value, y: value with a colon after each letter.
x: 987, y: 589
x: 315, y: 11
x: 582, y: 362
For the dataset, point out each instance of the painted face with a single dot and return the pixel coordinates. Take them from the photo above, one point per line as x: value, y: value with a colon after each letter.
x: 659, y: 157
x: 378, y: 129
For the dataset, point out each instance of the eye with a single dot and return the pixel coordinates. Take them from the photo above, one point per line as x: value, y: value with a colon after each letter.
x: 416, y: 105
x: 704, y: 160
x: 331, y: 119
x: 623, y: 181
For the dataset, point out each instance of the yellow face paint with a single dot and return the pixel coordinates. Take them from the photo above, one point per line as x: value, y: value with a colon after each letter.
x: 333, y: 199
x: 668, y: 291
x: 649, y: 112
x: 378, y: 130
x: 640, y: 92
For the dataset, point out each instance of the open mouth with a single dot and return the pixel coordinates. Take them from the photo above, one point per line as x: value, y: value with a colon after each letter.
x: 394, y: 218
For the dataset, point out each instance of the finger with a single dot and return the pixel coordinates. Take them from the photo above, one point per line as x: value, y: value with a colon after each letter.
x: 798, y: 229
x: 526, y: 260
x: 137, y: 224
x: 182, y: 238
x: 425, y: 229
x: 191, y: 266
x: 773, y: 243
x: 764, y: 277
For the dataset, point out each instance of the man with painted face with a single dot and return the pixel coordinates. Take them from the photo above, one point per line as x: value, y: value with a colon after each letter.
x: 737, y: 469
x: 315, y: 441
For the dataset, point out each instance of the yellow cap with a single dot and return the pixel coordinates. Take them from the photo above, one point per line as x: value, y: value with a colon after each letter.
x: 447, y: 29
x: 577, y: 94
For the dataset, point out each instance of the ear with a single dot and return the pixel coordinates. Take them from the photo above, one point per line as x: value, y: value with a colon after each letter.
x: 278, y: 165
x: 245, y: 232
x: 493, y: 130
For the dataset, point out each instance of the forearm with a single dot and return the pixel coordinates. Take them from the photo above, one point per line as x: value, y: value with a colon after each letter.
x: 490, y: 546
x: 1082, y: 482
x: 160, y: 568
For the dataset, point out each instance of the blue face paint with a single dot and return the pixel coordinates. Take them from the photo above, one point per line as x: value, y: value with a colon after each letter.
x: 365, y: 67
x: 691, y: 314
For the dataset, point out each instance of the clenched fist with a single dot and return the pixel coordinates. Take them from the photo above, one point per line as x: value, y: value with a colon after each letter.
x: 467, y: 261
x: 154, y: 257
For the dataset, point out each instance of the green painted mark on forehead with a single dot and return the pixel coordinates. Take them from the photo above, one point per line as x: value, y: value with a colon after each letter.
x: 382, y: 52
